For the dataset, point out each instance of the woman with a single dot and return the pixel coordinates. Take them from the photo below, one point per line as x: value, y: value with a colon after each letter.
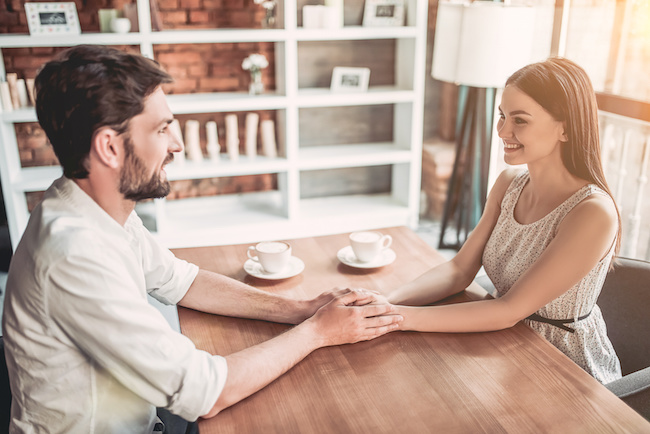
x: 547, y: 235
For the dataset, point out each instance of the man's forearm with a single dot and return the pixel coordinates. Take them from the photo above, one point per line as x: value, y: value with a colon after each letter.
x: 214, y: 293
x: 254, y: 368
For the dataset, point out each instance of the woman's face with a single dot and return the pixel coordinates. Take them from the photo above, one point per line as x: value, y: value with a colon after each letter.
x: 529, y: 133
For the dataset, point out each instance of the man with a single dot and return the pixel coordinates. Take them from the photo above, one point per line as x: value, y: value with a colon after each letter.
x: 85, y: 351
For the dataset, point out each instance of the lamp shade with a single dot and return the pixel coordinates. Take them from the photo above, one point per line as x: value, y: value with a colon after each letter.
x: 481, y: 44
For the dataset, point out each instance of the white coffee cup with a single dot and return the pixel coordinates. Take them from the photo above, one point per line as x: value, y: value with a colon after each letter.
x: 120, y: 25
x: 274, y: 256
x: 367, y: 245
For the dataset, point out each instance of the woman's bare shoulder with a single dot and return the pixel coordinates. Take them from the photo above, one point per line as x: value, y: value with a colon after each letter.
x: 502, y: 183
x: 595, y: 217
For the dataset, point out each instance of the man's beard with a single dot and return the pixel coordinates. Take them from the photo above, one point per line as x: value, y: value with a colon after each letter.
x: 133, y: 185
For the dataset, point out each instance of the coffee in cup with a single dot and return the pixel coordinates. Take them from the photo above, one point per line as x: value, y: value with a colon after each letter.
x: 367, y: 245
x: 274, y: 256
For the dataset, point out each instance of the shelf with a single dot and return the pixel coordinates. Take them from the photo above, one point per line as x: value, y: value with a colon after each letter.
x: 134, y: 38
x: 18, y: 41
x: 224, y: 167
x: 36, y: 178
x: 324, y: 97
x: 19, y: 115
x: 188, y: 103
x: 354, y: 211
x: 355, y: 33
x: 338, y: 156
x: 254, y: 217
x: 208, y: 36
x: 213, y: 220
x: 224, y: 102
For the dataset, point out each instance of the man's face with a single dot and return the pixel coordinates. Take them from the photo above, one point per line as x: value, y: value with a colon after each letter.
x: 148, y: 146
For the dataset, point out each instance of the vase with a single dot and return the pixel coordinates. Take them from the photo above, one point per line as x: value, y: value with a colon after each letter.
x: 268, y: 22
x: 256, y: 87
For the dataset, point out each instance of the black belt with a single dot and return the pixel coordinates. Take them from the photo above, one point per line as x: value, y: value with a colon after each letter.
x: 557, y: 322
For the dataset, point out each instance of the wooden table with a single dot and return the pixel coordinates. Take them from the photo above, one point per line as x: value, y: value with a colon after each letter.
x: 405, y: 382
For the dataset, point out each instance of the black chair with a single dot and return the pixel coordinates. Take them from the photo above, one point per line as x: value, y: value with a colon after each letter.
x: 5, y: 391
x: 625, y: 304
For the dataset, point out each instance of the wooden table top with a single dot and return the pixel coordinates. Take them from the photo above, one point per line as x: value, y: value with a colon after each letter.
x: 406, y: 382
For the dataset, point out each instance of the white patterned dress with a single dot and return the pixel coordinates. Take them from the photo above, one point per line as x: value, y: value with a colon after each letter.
x: 514, y: 247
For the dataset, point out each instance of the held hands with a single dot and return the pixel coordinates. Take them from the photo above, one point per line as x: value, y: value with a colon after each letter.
x: 351, y: 316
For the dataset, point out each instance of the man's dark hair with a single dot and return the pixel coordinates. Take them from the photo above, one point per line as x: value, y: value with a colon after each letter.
x: 88, y: 87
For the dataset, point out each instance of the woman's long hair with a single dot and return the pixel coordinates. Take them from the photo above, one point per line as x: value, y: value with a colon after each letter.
x: 564, y: 90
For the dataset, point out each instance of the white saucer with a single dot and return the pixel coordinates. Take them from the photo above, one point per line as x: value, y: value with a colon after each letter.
x: 346, y: 255
x: 294, y: 268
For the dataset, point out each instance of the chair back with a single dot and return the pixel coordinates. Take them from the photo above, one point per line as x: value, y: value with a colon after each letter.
x: 625, y: 304
x: 5, y: 391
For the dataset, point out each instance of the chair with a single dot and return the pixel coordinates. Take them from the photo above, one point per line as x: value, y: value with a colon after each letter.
x: 5, y: 391
x: 625, y: 304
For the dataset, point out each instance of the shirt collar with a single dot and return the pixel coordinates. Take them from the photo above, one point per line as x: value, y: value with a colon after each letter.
x: 84, y: 204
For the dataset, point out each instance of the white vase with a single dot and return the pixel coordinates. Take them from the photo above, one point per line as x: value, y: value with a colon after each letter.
x: 120, y: 25
x: 256, y: 86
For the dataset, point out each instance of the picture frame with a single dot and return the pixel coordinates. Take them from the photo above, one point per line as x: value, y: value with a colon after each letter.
x: 345, y: 79
x: 48, y: 19
x: 384, y: 13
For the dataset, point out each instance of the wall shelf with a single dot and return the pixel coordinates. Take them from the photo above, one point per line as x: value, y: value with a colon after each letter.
x: 286, y: 212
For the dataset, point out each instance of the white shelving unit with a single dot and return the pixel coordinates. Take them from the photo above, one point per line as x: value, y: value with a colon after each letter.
x: 283, y: 213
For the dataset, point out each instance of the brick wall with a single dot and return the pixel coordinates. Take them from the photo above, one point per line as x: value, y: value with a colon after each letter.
x: 174, y: 14
x: 195, y: 68
x: 213, y: 67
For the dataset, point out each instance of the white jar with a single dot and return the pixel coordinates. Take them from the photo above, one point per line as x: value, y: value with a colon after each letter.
x: 120, y: 25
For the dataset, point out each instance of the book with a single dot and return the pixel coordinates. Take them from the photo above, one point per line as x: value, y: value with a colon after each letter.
x: 5, y: 96
x: 12, y: 80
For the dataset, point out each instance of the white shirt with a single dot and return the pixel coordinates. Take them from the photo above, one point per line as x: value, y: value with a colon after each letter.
x: 85, y: 350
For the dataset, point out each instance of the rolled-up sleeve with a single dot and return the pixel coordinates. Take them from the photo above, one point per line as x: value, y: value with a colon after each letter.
x: 167, y: 277
x: 101, y: 307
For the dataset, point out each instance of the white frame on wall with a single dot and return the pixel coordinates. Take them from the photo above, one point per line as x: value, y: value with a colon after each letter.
x: 38, y: 24
x: 346, y: 79
x: 384, y: 13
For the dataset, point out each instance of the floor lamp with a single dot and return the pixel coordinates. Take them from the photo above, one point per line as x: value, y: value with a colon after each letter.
x: 477, y: 45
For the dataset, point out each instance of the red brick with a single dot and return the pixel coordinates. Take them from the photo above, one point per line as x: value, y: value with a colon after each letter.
x: 233, y: 4
x: 219, y: 84
x: 182, y: 58
x: 167, y: 5
x: 234, y: 69
x: 42, y: 51
x: 17, y: 51
x: 26, y: 158
x: 45, y: 156
x: 15, y: 6
x: 199, y: 70
x: 177, y: 72
x: 190, y: 4
x: 199, y: 17
x: 175, y: 17
x: 8, y: 19
x: 184, y: 86
x: 29, y: 61
x: 33, y: 142
x: 213, y: 4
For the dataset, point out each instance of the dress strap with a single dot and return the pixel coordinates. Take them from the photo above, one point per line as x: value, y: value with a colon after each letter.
x: 558, y: 322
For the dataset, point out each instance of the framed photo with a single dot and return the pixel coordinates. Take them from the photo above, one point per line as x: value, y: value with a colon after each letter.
x: 52, y: 18
x: 383, y: 13
x: 350, y: 79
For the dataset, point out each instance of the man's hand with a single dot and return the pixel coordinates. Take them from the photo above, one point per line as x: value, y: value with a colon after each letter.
x: 338, y: 322
x: 310, y: 307
x: 349, y: 317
